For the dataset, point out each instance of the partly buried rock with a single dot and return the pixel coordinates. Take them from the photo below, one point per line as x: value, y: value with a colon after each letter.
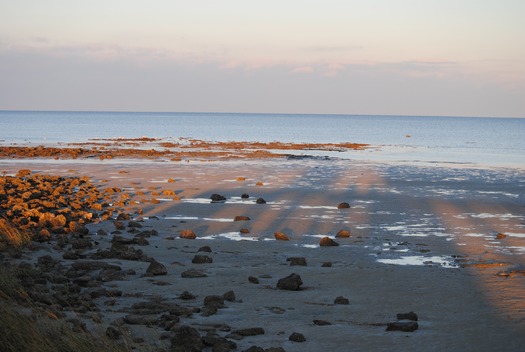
x: 500, y: 236
x: 192, y: 274
x: 327, y: 242
x: 297, y: 261
x: 279, y: 236
x: 291, y: 283
x: 155, y: 268
x: 343, y: 205
x: 202, y: 259
x: 407, y: 316
x: 405, y: 326
x: 341, y: 300
x: 343, y: 234
x: 241, y: 218
x: 206, y: 249
x: 248, y: 332
x: 260, y: 201
x: 188, y: 234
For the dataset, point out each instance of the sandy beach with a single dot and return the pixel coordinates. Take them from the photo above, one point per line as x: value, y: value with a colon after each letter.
x: 445, y: 243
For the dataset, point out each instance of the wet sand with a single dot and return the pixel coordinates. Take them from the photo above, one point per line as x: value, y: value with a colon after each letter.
x: 464, y: 284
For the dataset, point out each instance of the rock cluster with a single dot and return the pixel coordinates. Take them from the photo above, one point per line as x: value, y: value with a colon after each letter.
x: 44, y: 205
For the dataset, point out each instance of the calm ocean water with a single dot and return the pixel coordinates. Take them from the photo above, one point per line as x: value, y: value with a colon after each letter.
x: 458, y: 140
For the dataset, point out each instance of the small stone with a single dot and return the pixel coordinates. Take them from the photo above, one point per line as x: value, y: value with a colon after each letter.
x: 327, y: 242
x: 244, y: 230
x: 193, y: 274
x: 260, y: 201
x: 500, y: 236
x: 297, y: 337
x: 292, y: 282
x: 245, y: 196
x: 206, y: 249
x: 249, y: 332
x: 343, y: 205
x: 279, y: 236
x: 343, y: 234
x: 341, y: 300
x: 320, y: 322
x: 326, y: 265
x: 241, y: 218
x: 253, y: 279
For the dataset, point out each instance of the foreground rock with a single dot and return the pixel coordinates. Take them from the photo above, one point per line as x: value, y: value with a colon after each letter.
x: 292, y: 282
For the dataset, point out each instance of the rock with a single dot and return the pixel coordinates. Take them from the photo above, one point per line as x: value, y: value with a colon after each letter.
x: 402, y: 326
x: 229, y: 296
x: 206, y: 249
x: 245, y: 196
x: 341, y: 300
x: 407, y: 316
x: 327, y: 242
x: 292, y: 282
x: 260, y: 201
x: 186, y: 339
x: 186, y: 296
x: 188, y: 234
x: 297, y: 337
x: 202, y: 259
x: 279, y: 236
x: 155, y: 268
x: 326, y: 265
x: 343, y: 205
x: 137, y: 319
x: 244, y: 230
x: 217, y: 198
x: 193, y: 274
x: 241, y: 218
x: 297, y: 261
x: 119, y: 225
x: 135, y: 225
x: 102, y: 232
x: 253, y: 280
x: 254, y: 349
x: 343, y: 234
x: 500, y: 236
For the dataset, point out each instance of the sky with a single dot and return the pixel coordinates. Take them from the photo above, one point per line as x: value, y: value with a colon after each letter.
x: 389, y: 57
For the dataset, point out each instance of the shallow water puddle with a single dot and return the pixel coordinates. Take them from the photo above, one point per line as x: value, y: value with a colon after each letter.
x: 443, y: 261
x: 234, y: 236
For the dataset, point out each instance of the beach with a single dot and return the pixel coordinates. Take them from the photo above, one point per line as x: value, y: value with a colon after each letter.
x: 444, y: 243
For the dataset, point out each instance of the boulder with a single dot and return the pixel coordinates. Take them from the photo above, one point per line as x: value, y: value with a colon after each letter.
x: 291, y: 283
x: 188, y: 234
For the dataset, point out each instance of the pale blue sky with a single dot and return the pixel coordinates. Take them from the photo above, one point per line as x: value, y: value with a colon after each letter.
x: 417, y: 57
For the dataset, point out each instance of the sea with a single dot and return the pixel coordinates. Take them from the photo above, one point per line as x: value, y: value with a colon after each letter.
x: 425, y: 140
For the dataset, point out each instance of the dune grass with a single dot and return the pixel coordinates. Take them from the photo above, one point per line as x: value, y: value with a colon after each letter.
x: 12, y: 236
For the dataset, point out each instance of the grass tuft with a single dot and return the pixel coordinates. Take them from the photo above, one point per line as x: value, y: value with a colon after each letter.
x: 12, y: 236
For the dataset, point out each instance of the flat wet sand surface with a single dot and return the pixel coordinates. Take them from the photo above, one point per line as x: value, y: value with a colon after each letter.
x: 422, y: 239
